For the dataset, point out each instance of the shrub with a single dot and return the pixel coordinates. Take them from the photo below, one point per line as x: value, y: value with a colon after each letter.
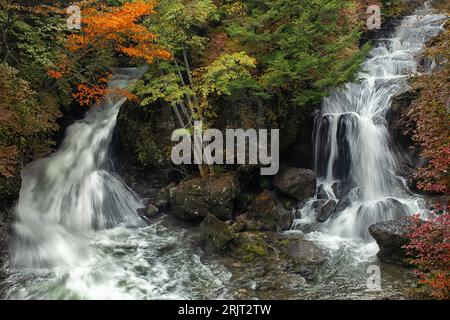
x: 430, y: 247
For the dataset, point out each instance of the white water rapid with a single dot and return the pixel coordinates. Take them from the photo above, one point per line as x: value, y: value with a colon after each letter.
x: 355, y: 162
x: 78, y: 234
x: 74, y: 192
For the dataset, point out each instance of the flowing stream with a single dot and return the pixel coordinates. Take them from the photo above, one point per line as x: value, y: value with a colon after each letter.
x: 78, y: 234
x: 355, y: 162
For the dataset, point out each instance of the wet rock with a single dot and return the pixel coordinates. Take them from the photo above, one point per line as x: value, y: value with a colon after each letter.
x: 397, y: 208
x: 318, y: 203
x: 194, y: 199
x: 240, y: 223
x: 268, y: 214
x: 325, y: 211
x: 343, y: 204
x: 167, y: 248
x: 391, y: 236
x: 141, y: 189
x: 215, y: 234
x: 342, y: 189
x: 244, y: 201
x: 162, y: 199
x: 251, y: 245
x: 5, y: 238
x: 347, y: 124
x: 288, y: 203
x: 297, y: 183
x: 305, y: 226
x: 347, y: 200
x: 322, y: 193
x: 304, y: 256
x: 150, y: 211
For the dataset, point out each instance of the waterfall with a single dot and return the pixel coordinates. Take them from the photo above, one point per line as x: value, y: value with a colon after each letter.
x: 354, y: 161
x: 75, y: 191
x: 78, y: 234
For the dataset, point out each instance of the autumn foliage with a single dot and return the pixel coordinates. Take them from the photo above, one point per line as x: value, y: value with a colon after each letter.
x: 430, y: 114
x: 109, y: 29
x: 25, y: 123
x: 117, y: 27
x: 430, y: 247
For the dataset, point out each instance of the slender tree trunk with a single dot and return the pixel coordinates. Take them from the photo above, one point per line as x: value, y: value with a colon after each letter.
x: 191, y: 80
x: 178, y: 115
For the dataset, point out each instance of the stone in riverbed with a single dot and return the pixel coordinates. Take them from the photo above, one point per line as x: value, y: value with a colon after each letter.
x: 343, y: 204
x: 304, y: 256
x: 162, y: 199
x: 391, y: 236
x: 322, y: 193
x: 215, y: 234
x: 250, y: 245
x: 268, y: 214
x: 297, y: 183
x: 325, y: 211
x: 194, y: 199
x: 150, y: 211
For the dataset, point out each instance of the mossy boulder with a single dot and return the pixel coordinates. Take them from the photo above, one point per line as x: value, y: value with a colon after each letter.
x: 194, y: 199
x: 268, y: 214
x: 215, y: 233
x: 251, y: 245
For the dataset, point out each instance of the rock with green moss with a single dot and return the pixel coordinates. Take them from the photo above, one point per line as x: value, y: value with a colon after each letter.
x: 251, y: 245
x: 215, y: 234
x: 268, y: 214
x: 144, y: 135
x: 194, y: 199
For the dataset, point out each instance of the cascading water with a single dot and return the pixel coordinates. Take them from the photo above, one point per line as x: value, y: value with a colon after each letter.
x: 355, y: 163
x: 74, y: 192
x: 78, y: 234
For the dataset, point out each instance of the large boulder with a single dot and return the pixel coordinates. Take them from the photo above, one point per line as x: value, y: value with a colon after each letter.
x: 297, y: 183
x: 268, y: 214
x: 194, y: 199
x: 215, y: 234
x: 391, y: 236
x: 304, y: 256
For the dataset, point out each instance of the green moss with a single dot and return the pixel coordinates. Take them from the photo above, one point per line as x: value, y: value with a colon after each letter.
x: 251, y: 246
x: 142, y: 140
x: 216, y: 233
